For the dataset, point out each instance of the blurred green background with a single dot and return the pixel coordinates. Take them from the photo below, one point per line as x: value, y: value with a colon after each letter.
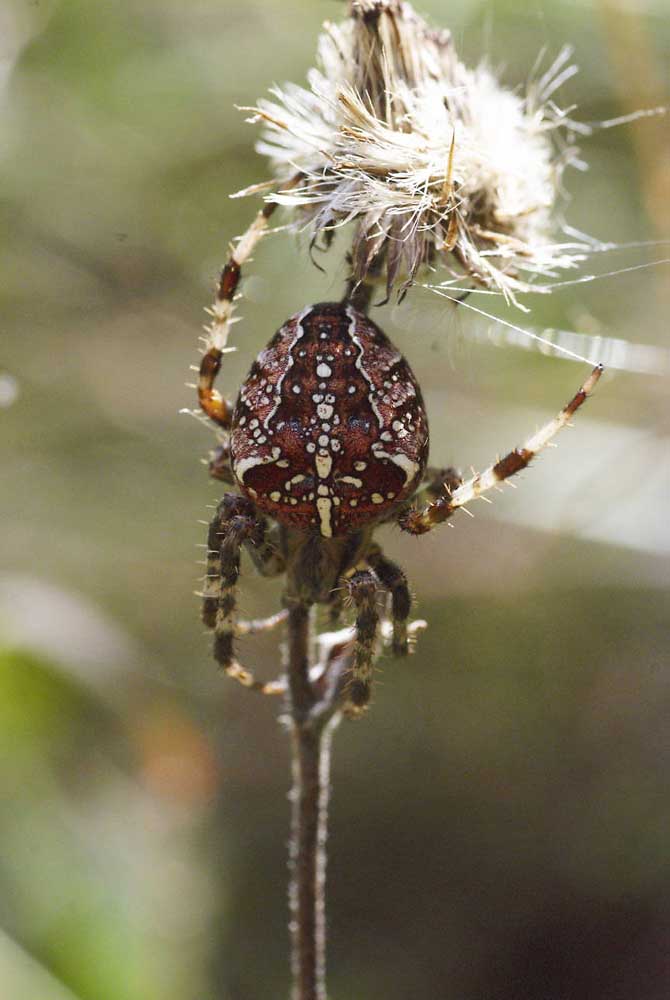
x: 501, y: 820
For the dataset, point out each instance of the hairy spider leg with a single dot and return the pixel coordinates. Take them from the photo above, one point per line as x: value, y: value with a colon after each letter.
x: 211, y: 401
x: 434, y: 482
x: 235, y: 524
x: 417, y: 522
x: 263, y: 547
x: 230, y: 505
x: 362, y: 588
x: 395, y: 581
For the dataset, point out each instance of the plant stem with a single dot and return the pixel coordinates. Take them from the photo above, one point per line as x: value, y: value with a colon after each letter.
x: 311, y: 733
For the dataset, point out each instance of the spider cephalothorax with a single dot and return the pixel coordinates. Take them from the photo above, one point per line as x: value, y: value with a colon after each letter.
x: 329, y: 432
x: 328, y: 440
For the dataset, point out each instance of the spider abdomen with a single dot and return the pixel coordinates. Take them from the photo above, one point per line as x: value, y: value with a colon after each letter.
x: 329, y: 431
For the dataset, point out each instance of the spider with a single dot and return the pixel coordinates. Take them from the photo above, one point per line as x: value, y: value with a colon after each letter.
x: 327, y: 441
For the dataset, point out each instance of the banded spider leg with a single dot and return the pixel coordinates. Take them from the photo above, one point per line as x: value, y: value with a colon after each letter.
x: 235, y: 525
x: 211, y: 401
x: 419, y: 521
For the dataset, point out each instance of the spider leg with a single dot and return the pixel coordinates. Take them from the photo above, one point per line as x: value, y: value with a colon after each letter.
x: 265, y: 551
x: 434, y: 483
x: 362, y: 587
x: 234, y: 524
x: 434, y: 480
x: 230, y: 505
x: 417, y: 522
x: 211, y: 401
x: 395, y: 581
x: 219, y: 464
x: 256, y: 625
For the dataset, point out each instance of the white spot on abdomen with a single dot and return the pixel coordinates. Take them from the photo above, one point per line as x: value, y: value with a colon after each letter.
x: 409, y: 467
x: 242, y: 467
x: 324, y: 464
x: 324, y: 505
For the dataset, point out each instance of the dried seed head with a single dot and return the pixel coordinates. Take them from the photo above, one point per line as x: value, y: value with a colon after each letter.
x: 435, y: 163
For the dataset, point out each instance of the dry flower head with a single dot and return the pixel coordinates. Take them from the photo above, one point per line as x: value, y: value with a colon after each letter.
x: 432, y: 162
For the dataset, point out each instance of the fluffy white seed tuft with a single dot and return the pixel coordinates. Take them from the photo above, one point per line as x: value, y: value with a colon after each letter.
x: 434, y: 162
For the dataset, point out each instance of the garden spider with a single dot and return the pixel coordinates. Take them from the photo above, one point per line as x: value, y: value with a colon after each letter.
x: 327, y: 441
